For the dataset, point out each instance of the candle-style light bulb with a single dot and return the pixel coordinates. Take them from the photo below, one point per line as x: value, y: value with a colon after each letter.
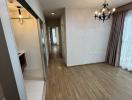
x: 103, y: 10
x: 96, y: 12
x: 99, y: 14
x: 114, y: 9
x: 20, y: 16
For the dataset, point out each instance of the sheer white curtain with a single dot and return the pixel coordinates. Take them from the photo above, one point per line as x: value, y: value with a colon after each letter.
x: 126, y: 50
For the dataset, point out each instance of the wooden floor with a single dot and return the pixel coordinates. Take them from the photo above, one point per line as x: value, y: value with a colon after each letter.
x: 88, y: 82
x: 1, y: 93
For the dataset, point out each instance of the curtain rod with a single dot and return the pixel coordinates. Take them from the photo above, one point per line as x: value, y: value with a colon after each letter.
x: 125, y: 7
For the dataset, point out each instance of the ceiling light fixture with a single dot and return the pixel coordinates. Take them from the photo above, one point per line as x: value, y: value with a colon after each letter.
x: 53, y: 14
x: 20, y: 14
x: 105, y: 13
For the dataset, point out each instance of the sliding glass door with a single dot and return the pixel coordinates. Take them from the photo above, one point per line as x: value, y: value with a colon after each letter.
x: 42, y: 40
x: 126, y: 50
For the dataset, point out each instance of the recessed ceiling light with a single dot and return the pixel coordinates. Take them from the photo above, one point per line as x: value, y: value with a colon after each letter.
x: 52, y: 14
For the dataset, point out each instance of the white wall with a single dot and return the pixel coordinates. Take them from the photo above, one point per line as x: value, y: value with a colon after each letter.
x: 86, y: 38
x: 27, y: 40
x: 63, y: 37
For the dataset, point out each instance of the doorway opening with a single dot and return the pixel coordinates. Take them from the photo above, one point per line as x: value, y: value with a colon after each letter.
x: 54, y: 41
x: 30, y: 43
x: 54, y: 37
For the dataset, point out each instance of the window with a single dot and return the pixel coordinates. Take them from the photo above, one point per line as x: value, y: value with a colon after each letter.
x: 126, y: 50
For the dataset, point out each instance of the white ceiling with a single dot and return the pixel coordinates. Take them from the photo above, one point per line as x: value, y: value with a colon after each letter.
x: 57, y: 5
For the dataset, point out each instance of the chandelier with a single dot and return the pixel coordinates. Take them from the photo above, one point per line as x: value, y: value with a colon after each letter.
x: 105, y: 13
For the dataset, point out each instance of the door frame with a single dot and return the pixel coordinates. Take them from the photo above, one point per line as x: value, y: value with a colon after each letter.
x: 10, y: 74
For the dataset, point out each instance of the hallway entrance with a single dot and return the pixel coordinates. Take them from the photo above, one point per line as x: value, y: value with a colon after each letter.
x: 54, y: 41
x: 54, y: 37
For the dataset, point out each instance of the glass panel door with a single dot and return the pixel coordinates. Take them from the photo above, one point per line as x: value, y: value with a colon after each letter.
x: 42, y: 38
